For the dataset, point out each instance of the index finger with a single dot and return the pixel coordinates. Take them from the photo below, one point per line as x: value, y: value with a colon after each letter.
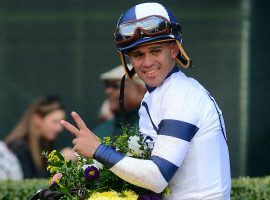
x: 70, y: 128
x: 78, y: 120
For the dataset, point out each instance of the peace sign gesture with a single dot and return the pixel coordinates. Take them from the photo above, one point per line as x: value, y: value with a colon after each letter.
x: 86, y: 142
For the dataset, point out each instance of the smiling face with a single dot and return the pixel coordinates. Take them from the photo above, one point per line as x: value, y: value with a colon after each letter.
x: 153, y: 62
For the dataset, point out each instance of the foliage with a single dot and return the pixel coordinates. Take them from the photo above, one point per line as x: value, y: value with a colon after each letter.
x: 20, y: 190
x: 251, y: 188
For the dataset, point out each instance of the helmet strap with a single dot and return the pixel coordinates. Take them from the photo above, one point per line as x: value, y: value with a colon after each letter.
x: 129, y: 73
x: 182, y: 57
x: 121, y: 101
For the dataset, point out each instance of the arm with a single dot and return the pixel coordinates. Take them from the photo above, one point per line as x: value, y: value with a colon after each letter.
x: 153, y: 174
x: 133, y: 170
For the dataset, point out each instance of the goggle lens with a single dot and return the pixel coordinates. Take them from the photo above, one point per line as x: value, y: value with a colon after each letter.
x: 152, y: 24
x: 149, y: 26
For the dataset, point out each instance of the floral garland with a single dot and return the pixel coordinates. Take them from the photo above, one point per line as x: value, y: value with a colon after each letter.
x: 88, y: 179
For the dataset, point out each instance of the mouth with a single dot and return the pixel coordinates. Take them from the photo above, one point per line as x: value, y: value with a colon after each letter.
x: 151, y: 72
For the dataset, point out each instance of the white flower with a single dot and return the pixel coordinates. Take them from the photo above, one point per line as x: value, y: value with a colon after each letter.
x: 96, y: 164
x: 133, y: 144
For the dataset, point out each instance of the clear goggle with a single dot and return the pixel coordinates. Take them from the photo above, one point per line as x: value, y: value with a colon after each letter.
x: 153, y: 25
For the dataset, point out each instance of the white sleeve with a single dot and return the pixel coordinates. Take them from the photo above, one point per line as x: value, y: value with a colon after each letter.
x: 143, y: 173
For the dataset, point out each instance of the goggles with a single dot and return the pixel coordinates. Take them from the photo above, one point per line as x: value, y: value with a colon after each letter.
x: 153, y: 25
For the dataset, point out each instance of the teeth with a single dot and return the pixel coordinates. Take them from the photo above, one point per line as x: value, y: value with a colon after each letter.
x: 151, y: 72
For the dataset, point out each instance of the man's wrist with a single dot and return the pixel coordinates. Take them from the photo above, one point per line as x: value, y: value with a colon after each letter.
x: 107, y: 155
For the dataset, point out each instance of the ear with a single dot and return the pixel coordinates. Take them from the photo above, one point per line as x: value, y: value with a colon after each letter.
x: 174, y: 50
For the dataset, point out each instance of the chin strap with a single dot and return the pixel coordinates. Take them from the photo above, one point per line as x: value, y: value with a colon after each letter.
x: 183, y: 58
x: 129, y: 73
x: 121, y: 101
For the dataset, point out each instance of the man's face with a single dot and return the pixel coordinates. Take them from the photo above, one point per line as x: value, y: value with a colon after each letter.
x: 133, y: 95
x: 153, y: 62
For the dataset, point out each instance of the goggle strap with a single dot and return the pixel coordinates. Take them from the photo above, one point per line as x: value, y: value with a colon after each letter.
x: 129, y: 73
x: 185, y: 57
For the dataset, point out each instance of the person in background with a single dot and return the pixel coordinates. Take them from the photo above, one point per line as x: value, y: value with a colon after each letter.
x: 9, y: 165
x: 105, y: 112
x: 35, y: 133
x: 134, y: 92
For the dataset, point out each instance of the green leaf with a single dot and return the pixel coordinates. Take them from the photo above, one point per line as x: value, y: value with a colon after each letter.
x: 65, y: 191
x: 59, y: 155
x: 57, y: 164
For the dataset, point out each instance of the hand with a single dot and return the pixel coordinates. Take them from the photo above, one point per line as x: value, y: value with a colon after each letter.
x: 86, y: 142
x: 69, y: 154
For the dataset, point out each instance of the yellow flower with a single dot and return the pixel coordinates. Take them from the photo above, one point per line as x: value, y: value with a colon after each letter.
x: 167, y: 191
x: 107, y: 140
x: 53, y: 170
x: 49, y: 167
x: 113, y: 195
x: 130, y: 194
x: 53, y: 157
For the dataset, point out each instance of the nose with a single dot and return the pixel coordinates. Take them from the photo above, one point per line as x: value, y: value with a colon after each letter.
x: 148, y: 61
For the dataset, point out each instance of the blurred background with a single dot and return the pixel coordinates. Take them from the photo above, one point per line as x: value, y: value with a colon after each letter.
x: 61, y: 47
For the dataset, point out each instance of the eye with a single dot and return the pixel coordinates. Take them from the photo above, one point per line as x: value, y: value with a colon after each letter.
x: 137, y: 55
x: 155, y: 51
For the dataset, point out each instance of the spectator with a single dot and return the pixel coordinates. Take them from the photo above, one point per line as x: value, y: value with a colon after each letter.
x: 134, y: 92
x: 105, y: 112
x: 9, y: 165
x: 36, y: 132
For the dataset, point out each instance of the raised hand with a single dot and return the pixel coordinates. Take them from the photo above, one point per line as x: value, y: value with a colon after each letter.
x: 86, y: 142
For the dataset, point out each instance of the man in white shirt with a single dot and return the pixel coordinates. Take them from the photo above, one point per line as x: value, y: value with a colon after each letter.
x: 179, y: 119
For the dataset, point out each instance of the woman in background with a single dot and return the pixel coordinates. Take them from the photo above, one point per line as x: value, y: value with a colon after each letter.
x: 36, y: 132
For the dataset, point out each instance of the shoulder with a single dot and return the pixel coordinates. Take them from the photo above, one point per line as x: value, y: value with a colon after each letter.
x: 182, y: 83
x: 4, y: 151
x: 180, y: 87
x: 181, y: 98
x: 9, y: 164
x: 19, y: 145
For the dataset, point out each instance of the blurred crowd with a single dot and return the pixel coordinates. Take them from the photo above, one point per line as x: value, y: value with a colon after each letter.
x: 37, y: 130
